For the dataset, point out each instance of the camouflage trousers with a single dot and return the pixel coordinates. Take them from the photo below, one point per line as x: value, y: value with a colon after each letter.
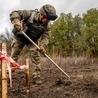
x: 17, y: 47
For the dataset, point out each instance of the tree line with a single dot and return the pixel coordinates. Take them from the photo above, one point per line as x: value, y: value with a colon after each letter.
x: 75, y: 36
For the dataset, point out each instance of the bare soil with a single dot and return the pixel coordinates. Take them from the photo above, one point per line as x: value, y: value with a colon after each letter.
x: 81, y: 84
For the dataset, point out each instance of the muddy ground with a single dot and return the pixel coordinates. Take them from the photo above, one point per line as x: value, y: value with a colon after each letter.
x: 82, y: 83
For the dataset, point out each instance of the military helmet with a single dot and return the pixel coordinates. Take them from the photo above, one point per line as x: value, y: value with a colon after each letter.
x: 48, y: 11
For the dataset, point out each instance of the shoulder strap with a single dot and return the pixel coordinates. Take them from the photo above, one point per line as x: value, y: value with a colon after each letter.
x: 30, y: 20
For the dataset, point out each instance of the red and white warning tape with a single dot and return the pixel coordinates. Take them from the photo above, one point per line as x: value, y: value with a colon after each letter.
x: 5, y: 56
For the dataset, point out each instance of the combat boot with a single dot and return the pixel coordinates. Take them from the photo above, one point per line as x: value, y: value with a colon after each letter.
x: 37, y: 81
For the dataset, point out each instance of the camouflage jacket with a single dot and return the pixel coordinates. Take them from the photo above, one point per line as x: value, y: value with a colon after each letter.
x: 31, y: 27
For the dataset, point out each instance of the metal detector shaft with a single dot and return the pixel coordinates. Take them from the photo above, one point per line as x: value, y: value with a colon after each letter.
x: 46, y: 55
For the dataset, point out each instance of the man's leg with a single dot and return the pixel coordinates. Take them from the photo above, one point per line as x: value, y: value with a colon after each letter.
x: 35, y: 60
x: 16, y: 47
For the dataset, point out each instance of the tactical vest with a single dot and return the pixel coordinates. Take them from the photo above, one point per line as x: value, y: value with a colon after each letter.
x: 34, y: 31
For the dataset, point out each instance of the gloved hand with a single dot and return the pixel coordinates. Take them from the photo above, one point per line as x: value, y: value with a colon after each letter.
x: 17, y: 24
x: 42, y: 50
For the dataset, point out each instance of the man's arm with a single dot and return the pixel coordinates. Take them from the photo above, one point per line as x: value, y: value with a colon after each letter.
x: 17, y: 16
x: 44, y: 40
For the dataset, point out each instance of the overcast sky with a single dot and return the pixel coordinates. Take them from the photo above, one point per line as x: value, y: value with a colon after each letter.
x: 62, y: 6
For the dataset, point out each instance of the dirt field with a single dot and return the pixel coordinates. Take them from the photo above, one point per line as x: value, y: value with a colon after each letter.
x: 82, y: 83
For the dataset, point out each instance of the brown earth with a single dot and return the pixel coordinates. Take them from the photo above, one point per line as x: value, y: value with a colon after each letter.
x: 82, y: 83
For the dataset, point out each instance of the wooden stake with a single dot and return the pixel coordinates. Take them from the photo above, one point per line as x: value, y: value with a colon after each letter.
x: 27, y: 77
x: 4, y: 74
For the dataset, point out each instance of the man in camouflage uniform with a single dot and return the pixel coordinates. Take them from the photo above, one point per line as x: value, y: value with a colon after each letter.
x: 36, y: 25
